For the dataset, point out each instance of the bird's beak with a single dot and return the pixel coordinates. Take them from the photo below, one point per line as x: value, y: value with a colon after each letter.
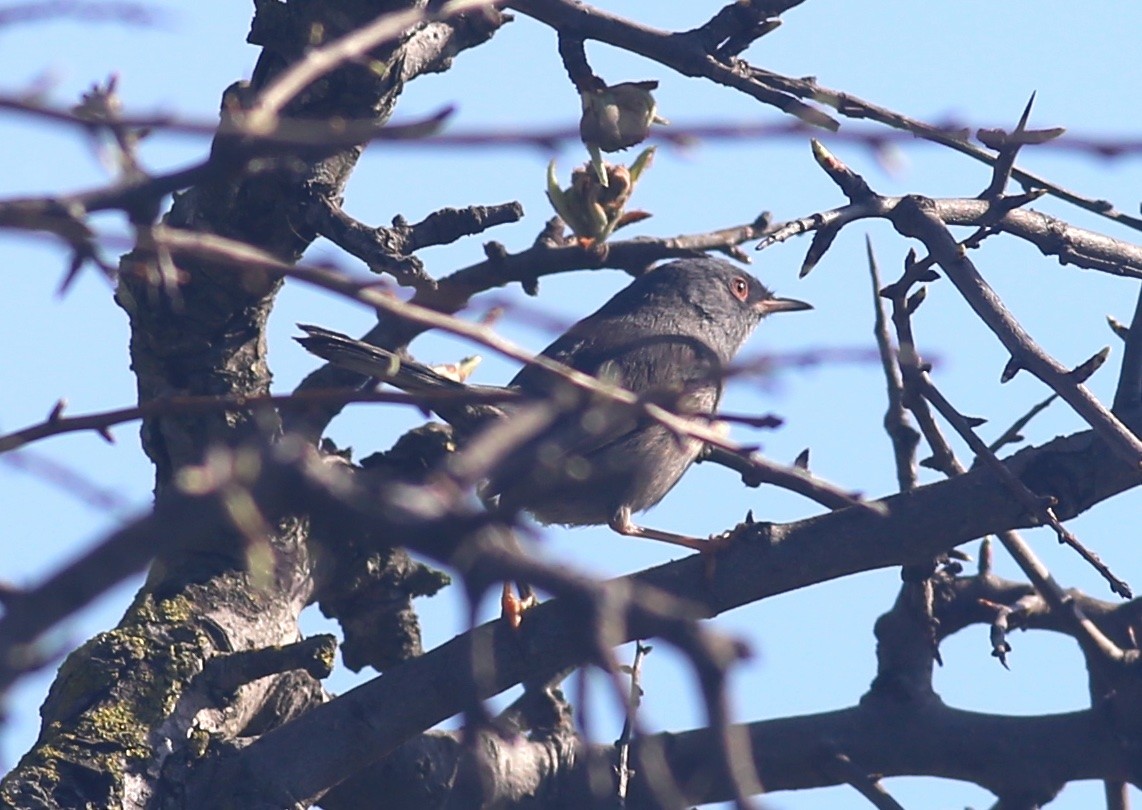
x: 768, y: 306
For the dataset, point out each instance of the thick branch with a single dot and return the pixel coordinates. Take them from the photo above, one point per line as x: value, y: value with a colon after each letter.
x: 934, y: 740
x: 767, y: 559
x: 789, y: 753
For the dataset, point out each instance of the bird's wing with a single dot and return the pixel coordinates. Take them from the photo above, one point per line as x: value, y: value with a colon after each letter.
x: 407, y: 375
x: 684, y: 371
x: 372, y: 361
x: 633, y: 357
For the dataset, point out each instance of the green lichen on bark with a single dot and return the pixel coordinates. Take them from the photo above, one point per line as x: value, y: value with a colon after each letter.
x: 100, y: 713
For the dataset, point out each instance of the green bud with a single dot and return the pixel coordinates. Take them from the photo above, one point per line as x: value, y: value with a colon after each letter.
x: 592, y: 209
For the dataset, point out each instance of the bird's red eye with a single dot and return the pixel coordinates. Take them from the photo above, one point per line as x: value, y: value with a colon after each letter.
x: 740, y: 288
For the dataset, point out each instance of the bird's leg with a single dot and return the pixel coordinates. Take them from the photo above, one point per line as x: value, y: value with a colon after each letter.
x: 622, y: 524
x: 513, y: 607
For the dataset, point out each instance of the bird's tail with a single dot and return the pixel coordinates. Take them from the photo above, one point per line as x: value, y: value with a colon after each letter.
x: 373, y: 361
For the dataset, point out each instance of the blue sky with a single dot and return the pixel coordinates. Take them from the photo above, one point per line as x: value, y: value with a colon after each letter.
x: 970, y: 61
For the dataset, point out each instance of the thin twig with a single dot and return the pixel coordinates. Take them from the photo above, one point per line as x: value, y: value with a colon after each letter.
x: 917, y: 217
x: 425, y: 133
x: 176, y: 405
x: 865, y: 784
x: 1012, y: 434
x: 904, y: 437
x: 687, y: 53
x: 633, y: 702
x: 756, y: 470
x: 1052, y: 236
x: 1080, y: 373
x: 1097, y: 647
x: 913, y: 217
x: 1035, y: 504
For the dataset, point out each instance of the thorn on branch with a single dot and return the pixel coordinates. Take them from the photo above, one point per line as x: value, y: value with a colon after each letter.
x: 1128, y: 392
x: 1082, y: 372
x: 79, y: 257
x: 1009, y: 202
x: 915, y: 300
x: 756, y: 470
x: 915, y: 271
x: 1010, y: 369
x: 766, y: 421
x: 1034, y: 503
x: 1008, y: 147
x: 822, y: 241
x: 1121, y: 330
x: 1012, y: 434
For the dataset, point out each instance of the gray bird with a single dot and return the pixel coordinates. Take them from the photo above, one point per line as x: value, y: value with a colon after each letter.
x: 668, y: 337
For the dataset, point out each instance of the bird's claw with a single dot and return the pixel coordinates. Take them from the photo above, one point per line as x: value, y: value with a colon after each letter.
x: 513, y: 607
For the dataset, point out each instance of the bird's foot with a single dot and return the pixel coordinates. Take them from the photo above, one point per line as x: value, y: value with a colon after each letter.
x: 622, y: 524
x: 708, y: 547
x: 512, y: 607
x: 714, y: 545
